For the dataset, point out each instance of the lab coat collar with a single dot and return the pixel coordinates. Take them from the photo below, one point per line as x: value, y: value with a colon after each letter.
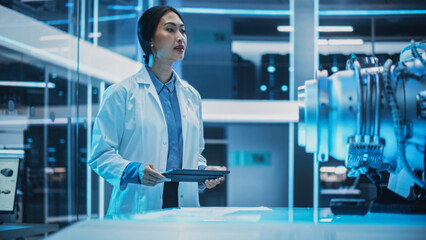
x: 159, y: 86
x: 143, y: 77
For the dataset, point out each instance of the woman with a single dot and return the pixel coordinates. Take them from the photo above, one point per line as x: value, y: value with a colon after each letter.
x: 151, y: 122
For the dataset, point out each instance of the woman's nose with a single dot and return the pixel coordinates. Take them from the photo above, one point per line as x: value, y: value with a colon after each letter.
x: 180, y: 38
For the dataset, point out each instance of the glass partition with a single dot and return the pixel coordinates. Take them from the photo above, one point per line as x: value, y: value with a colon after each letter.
x: 58, y: 57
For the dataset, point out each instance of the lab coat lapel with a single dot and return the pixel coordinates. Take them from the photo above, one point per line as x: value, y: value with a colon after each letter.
x: 183, y: 106
x: 144, y: 78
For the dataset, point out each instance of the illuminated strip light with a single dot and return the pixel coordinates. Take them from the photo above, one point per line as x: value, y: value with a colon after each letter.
x: 335, y: 29
x: 322, y: 42
x: 26, y: 84
x: 12, y: 151
x: 115, y: 17
x: 320, y: 28
x: 370, y: 12
x: 335, y: 170
x: 355, y: 41
x: 234, y: 11
x: 123, y: 7
x: 285, y: 29
x: 40, y: 121
x: 287, y: 12
x: 262, y: 12
x: 326, y: 219
x: 345, y: 42
x: 95, y: 35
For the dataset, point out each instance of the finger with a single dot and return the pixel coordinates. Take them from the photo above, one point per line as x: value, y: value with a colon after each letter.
x: 164, y: 179
x: 153, y: 173
x: 207, y: 184
x: 210, y: 184
x: 153, y: 167
x: 156, y: 176
x: 149, y: 178
x: 148, y: 182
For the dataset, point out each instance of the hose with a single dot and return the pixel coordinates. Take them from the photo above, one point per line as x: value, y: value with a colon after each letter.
x: 359, y: 115
x: 398, y: 127
x: 377, y: 110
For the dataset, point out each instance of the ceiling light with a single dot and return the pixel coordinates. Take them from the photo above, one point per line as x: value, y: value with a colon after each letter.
x: 234, y: 11
x: 95, y: 35
x: 345, y: 41
x: 285, y: 28
x: 335, y: 29
x: 26, y: 84
x: 322, y: 42
x: 282, y: 28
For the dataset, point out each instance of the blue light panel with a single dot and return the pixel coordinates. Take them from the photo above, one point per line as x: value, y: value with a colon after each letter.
x: 262, y: 12
x: 122, y: 7
x: 271, y: 69
x: 369, y: 12
x: 234, y: 11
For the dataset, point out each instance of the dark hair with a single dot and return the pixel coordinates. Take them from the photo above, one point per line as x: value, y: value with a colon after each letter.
x: 147, y: 25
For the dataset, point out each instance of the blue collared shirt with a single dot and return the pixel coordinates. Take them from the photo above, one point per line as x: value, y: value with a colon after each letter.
x: 169, y: 103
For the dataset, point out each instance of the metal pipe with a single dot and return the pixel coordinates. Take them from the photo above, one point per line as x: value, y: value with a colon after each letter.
x: 368, y: 106
x: 377, y: 111
x: 360, y: 96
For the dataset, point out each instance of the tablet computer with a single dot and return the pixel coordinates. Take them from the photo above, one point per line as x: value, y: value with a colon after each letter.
x: 9, y: 169
x: 192, y: 175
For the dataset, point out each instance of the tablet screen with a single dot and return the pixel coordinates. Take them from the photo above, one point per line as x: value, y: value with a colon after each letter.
x: 8, y: 182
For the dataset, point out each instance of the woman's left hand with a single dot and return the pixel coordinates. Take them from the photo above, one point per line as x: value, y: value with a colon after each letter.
x: 211, y: 183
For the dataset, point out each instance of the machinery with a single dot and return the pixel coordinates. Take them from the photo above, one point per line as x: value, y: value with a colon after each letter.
x: 371, y: 117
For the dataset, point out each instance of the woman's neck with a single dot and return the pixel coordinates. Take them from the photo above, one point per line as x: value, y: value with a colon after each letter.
x: 162, y: 70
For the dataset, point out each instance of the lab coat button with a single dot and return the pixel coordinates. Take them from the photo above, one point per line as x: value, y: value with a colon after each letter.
x: 181, y: 196
x: 164, y: 143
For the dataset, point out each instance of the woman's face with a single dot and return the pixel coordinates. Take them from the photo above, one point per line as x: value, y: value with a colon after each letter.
x: 169, y: 41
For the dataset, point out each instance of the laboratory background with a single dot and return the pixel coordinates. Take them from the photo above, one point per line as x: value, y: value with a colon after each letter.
x: 288, y: 143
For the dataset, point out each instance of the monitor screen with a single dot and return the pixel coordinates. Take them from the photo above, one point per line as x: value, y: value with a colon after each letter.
x: 8, y: 182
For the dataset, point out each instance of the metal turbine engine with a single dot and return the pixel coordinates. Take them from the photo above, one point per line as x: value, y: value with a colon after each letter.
x: 372, y: 117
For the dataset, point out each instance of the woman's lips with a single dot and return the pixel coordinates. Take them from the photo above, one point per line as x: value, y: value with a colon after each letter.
x: 180, y: 49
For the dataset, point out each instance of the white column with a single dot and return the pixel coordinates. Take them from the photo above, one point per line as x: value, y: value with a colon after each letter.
x: 303, y: 64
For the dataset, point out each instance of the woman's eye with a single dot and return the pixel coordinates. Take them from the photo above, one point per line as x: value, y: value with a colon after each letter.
x: 169, y: 30
x: 183, y: 31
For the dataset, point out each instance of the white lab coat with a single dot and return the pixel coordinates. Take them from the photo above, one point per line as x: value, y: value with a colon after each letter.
x: 131, y: 120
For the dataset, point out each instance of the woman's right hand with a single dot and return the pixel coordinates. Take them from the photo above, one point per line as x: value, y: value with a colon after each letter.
x: 149, y: 176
